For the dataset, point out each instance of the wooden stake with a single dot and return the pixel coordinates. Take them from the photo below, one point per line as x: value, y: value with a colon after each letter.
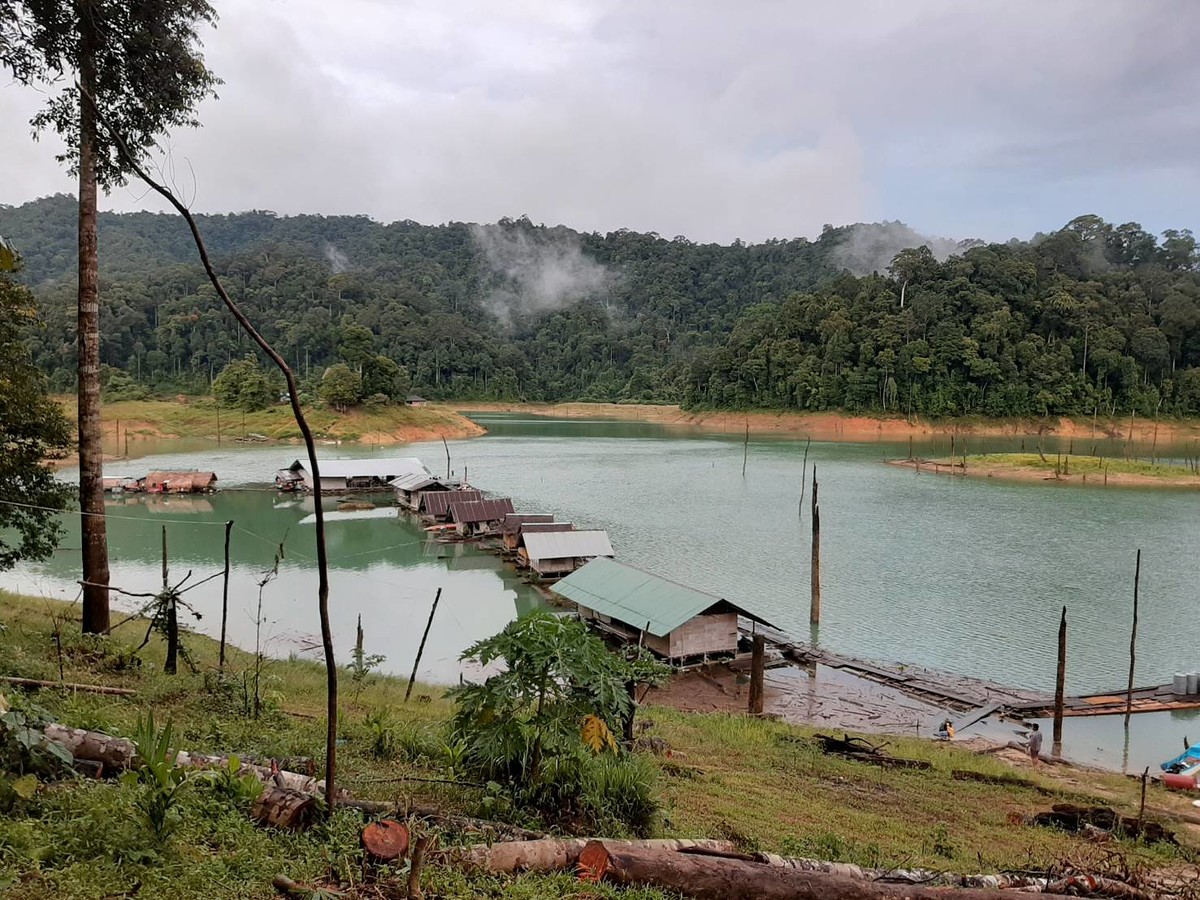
x: 447, y: 446
x: 758, y: 660
x: 814, y: 612
x: 1137, y: 576
x: 1142, y: 807
x: 421, y: 649
x: 172, y: 663
x: 745, y: 449
x: 225, y: 594
x: 1060, y: 682
x: 803, y: 479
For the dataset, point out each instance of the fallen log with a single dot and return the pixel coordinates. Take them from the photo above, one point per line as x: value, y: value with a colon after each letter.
x: 555, y: 854
x: 859, y: 750
x: 1072, y: 818
x: 118, y: 754
x: 713, y: 878
x: 284, y: 809
x: 1094, y: 886
x: 437, y: 817
x: 68, y: 685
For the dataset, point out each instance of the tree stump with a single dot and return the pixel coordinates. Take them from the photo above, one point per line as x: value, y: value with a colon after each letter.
x: 385, y: 840
x: 281, y: 808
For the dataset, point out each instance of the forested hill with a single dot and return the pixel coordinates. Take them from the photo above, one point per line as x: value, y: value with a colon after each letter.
x: 1091, y: 316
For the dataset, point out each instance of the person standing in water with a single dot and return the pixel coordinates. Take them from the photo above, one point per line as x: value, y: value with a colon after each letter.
x: 1035, y: 744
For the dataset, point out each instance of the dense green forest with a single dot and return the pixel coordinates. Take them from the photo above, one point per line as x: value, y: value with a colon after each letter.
x: 1090, y: 317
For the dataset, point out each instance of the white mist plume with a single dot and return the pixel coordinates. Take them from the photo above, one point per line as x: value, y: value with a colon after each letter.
x: 539, y: 271
x: 338, y: 261
x: 868, y: 248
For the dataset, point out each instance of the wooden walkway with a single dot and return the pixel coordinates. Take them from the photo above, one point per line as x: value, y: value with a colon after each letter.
x: 1145, y: 699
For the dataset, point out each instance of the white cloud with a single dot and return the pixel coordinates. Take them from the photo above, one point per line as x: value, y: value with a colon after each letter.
x: 707, y: 119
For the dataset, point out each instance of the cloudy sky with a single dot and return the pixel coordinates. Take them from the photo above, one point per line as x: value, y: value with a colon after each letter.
x: 707, y: 118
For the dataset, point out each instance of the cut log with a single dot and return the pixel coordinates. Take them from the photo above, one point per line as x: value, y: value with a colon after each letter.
x: 68, y: 685
x: 1070, y: 817
x: 859, y: 750
x: 115, y: 754
x: 555, y: 855
x: 284, y: 809
x: 385, y: 840
x: 500, y: 830
x: 715, y: 878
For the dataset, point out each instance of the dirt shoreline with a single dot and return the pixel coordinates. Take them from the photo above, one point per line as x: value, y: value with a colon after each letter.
x: 833, y: 426
x: 1034, y: 474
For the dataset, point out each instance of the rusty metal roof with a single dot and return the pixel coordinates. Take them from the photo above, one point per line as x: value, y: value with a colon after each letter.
x: 480, y: 510
x: 437, y: 503
x: 514, y: 521
x: 638, y: 598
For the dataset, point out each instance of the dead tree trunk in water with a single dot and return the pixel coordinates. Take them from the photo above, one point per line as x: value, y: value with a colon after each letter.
x: 91, y: 448
x: 331, y: 707
x: 814, y: 611
x: 803, y: 480
x: 745, y: 449
x: 1060, y: 682
x: 1137, y: 576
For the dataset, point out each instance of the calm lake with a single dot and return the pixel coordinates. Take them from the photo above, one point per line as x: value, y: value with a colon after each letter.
x: 957, y: 573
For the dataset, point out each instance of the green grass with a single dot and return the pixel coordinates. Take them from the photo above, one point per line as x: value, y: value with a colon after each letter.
x: 761, y: 783
x: 1080, y: 465
x: 197, y: 417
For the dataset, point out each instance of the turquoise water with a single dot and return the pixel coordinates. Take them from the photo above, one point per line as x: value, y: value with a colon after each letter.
x: 966, y: 575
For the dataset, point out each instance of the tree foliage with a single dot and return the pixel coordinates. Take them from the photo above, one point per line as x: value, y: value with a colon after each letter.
x: 1093, y: 317
x: 244, y: 384
x: 32, y: 430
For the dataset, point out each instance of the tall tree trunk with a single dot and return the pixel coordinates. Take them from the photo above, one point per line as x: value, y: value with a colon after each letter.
x: 91, y: 453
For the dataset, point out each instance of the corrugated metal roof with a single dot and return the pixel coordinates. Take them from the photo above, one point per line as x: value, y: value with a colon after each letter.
x: 417, y: 481
x: 437, y: 503
x: 635, y: 597
x: 513, y: 521
x: 567, y: 544
x: 375, y: 467
x: 480, y: 510
x: 534, y: 527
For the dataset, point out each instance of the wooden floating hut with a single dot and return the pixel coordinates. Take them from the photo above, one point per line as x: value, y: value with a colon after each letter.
x: 121, y: 485
x: 517, y: 543
x: 179, y: 483
x: 551, y: 554
x: 339, y: 476
x: 435, y: 505
x: 477, y: 518
x: 409, y: 488
x: 676, y: 622
x: 511, y: 527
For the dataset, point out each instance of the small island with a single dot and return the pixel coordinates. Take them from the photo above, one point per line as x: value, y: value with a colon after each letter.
x: 1063, y: 469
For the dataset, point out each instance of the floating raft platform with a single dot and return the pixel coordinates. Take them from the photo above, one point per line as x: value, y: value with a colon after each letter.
x: 1145, y: 699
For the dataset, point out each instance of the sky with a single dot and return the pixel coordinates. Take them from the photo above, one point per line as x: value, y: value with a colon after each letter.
x: 704, y: 118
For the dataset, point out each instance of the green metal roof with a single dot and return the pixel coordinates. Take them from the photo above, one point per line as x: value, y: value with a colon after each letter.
x: 635, y: 597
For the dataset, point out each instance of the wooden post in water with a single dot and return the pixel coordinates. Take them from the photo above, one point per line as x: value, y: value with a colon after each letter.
x: 447, y: 446
x: 814, y: 612
x: 1137, y: 577
x: 172, y: 663
x: 421, y: 649
x: 225, y: 594
x: 218, y: 422
x: 745, y: 448
x: 1060, y: 681
x: 803, y: 480
x: 758, y: 660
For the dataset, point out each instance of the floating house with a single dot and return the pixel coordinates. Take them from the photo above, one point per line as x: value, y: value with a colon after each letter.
x: 674, y: 621
x: 515, y: 541
x: 121, y: 485
x: 435, y: 505
x: 410, y: 487
x: 511, y: 527
x: 341, y: 475
x: 179, y: 483
x: 476, y: 518
x: 552, y: 554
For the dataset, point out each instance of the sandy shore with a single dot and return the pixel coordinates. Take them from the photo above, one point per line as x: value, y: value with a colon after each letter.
x: 832, y: 426
x: 1033, y: 473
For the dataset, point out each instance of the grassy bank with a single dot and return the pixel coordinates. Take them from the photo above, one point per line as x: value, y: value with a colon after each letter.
x: 198, y: 417
x: 1071, y: 469
x: 761, y: 783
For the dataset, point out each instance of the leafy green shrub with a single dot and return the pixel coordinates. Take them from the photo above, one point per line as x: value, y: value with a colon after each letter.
x: 544, y: 725
x: 160, y: 778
